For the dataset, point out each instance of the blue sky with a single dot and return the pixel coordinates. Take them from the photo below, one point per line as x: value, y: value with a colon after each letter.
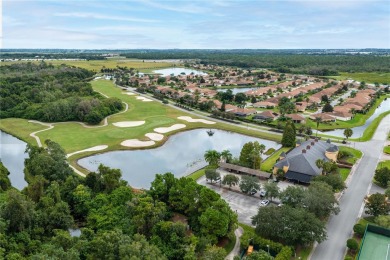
x: 198, y: 24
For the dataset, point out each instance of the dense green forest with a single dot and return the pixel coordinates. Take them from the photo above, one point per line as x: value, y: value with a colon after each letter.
x: 175, y: 219
x: 325, y: 64
x: 52, y: 94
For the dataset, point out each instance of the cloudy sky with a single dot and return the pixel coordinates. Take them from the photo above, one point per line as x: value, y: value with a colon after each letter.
x: 200, y: 24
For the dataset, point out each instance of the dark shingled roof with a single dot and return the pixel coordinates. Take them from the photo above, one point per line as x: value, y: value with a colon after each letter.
x: 297, y: 176
x: 333, y: 148
x: 305, y: 163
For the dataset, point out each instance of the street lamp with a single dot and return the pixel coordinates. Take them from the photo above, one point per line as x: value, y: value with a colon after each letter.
x: 268, y: 248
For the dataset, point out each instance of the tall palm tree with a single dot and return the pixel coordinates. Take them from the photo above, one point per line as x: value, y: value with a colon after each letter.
x: 212, y: 157
x: 226, y: 155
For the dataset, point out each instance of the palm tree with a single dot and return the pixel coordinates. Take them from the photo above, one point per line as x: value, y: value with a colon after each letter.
x: 348, y: 132
x: 318, y: 121
x: 320, y: 163
x: 212, y: 157
x: 226, y: 155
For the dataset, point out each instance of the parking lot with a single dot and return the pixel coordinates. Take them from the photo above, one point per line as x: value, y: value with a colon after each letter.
x: 245, y: 206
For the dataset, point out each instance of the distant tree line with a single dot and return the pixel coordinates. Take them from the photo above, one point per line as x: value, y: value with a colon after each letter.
x: 52, y: 94
x: 283, y: 62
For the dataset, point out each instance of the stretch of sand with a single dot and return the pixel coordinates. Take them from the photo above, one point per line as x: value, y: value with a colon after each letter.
x: 163, y: 130
x: 154, y: 136
x: 128, y: 123
x: 144, y: 99
x: 129, y: 93
x: 191, y: 120
x: 92, y: 149
x: 137, y: 143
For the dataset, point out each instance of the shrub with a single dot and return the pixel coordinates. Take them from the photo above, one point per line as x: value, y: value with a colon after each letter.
x: 359, y: 229
x: 352, y: 244
x: 285, y: 254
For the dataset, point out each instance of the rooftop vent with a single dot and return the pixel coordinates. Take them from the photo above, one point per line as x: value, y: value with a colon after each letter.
x: 308, y: 147
x: 316, y: 140
x: 312, y: 143
x: 304, y: 151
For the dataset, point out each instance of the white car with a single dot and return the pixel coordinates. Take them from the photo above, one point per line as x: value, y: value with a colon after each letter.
x: 263, y: 193
x: 264, y: 203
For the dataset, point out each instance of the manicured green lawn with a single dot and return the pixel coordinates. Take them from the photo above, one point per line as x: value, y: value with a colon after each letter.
x: 386, y: 149
x: 344, y: 172
x: 370, y: 130
x: 196, y: 175
x: 20, y: 128
x: 268, y: 164
x: 356, y: 154
x: 383, y: 164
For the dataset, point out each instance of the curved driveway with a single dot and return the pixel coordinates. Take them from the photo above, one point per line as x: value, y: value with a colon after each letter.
x: 339, y: 227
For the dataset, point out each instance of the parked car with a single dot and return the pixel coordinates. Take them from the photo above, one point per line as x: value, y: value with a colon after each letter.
x: 264, y: 203
x: 252, y: 192
x: 263, y: 193
x: 218, y: 179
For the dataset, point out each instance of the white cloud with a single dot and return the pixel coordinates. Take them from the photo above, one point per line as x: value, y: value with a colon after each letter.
x: 104, y: 17
x: 188, y: 8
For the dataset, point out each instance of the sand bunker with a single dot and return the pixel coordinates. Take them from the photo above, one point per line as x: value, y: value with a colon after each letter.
x: 154, y: 136
x: 129, y: 93
x: 144, y: 99
x: 128, y: 123
x: 92, y: 149
x: 191, y: 120
x: 163, y: 130
x: 137, y: 143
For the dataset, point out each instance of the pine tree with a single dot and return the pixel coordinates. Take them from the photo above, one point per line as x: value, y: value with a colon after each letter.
x: 289, y: 135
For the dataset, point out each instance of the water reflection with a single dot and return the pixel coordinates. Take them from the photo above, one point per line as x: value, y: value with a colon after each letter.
x: 12, y: 156
x: 236, y: 90
x: 181, y: 154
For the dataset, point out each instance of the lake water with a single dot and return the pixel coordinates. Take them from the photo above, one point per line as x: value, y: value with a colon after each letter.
x: 12, y: 156
x: 359, y: 130
x: 178, y: 71
x: 181, y: 155
x: 236, y: 90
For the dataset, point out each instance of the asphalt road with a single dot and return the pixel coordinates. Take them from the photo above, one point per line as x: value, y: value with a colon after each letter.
x: 339, y: 227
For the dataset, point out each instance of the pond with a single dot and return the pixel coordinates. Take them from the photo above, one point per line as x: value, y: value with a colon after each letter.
x: 236, y: 90
x: 359, y: 130
x: 12, y: 156
x: 178, y: 71
x: 181, y: 155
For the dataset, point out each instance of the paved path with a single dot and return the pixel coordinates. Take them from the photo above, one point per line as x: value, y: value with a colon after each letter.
x: 339, y: 227
x: 236, y: 250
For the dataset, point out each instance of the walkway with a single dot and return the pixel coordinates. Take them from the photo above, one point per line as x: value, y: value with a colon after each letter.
x: 236, y: 250
x: 339, y: 227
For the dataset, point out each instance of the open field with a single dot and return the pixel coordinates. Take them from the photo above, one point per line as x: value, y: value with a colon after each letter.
x: 368, y: 77
x: 97, y: 65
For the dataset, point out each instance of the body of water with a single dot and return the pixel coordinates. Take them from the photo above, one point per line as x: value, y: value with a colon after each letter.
x: 181, y: 154
x: 178, y: 71
x: 359, y: 130
x: 236, y: 90
x: 12, y: 156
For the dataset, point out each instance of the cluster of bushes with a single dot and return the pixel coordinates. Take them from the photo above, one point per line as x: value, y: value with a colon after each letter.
x: 278, y: 250
x: 52, y: 94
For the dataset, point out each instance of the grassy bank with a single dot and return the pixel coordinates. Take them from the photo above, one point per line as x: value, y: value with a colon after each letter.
x: 355, y: 154
x: 383, y: 164
x: 268, y: 164
x: 370, y: 130
x: 386, y: 149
